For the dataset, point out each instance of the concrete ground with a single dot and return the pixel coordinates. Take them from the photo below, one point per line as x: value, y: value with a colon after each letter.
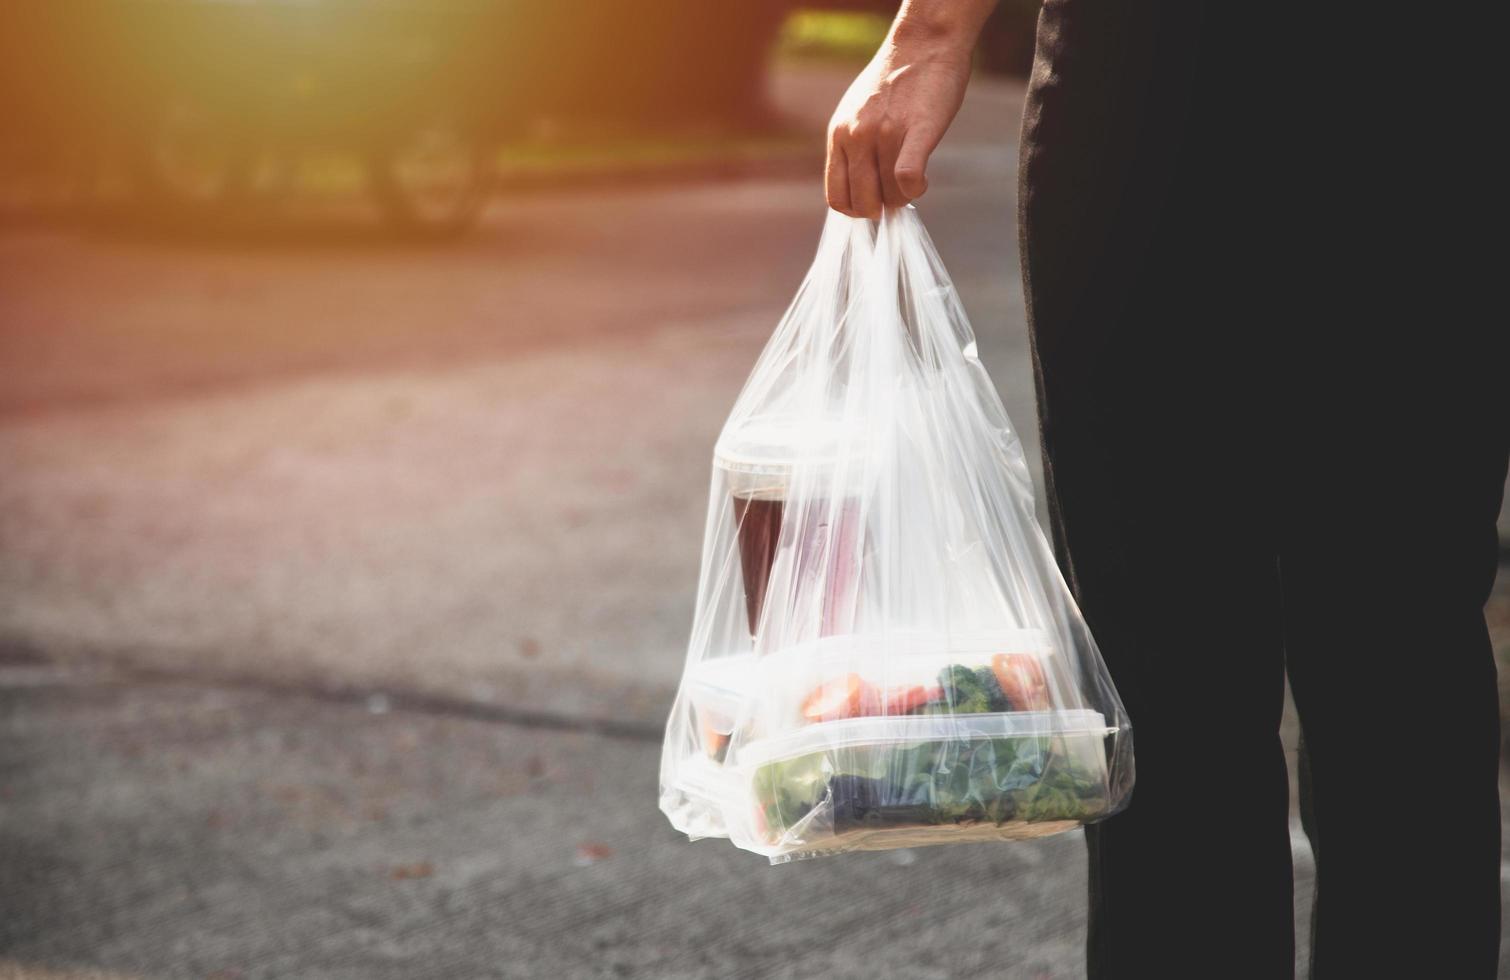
x: 344, y: 584
x: 187, y: 830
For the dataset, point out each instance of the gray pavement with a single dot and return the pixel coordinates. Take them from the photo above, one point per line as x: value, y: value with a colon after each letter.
x: 344, y: 585
x: 179, y: 830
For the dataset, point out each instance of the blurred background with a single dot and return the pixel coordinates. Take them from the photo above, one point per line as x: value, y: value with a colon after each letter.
x: 360, y: 364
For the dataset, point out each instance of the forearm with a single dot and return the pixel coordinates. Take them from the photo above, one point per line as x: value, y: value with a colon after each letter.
x: 948, y: 27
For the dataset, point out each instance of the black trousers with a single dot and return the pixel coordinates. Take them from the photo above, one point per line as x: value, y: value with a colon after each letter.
x: 1274, y: 418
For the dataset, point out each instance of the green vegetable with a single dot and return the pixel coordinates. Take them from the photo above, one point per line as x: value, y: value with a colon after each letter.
x: 787, y: 790
x: 963, y: 693
x: 1020, y: 778
x: 986, y: 677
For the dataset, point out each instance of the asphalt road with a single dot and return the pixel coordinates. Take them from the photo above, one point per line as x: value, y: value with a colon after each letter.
x: 344, y: 583
x: 161, y: 829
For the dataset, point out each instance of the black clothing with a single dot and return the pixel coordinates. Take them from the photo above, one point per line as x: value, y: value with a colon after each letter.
x: 1275, y: 427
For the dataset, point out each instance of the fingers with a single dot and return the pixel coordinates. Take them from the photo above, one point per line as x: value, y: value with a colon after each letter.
x: 836, y: 178
x: 864, y: 179
x: 911, y: 168
x: 889, y: 141
x: 876, y: 165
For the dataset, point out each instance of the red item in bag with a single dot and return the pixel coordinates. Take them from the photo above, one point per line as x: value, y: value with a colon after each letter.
x: 1021, y: 678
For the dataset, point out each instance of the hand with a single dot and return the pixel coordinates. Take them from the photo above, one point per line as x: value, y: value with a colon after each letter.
x: 888, y: 123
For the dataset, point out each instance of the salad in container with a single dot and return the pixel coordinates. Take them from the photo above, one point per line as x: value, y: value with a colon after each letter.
x: 860, y: 742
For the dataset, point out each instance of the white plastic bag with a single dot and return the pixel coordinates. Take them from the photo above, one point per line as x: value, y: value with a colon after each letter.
x: 884, y: 653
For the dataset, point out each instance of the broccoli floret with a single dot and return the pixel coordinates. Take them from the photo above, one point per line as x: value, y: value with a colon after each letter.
x: 963, y: 693
x: 986, y: 677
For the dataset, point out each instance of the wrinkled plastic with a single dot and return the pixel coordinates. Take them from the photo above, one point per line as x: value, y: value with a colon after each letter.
x: 884, y: 653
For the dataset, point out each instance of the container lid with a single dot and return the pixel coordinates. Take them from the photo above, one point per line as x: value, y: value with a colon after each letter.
x: 937, y: 648
x: 774, y: 444
x: 721, y: 687
x: 700, y: 777
x: 771, y: 686
x: 735, y: 679
x: 903, y: 730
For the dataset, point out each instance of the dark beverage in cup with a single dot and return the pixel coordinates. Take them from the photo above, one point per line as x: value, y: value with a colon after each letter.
x: 827, y: 543
x: 758, y: 460
x: 832, y: 539
x: 758, y: 527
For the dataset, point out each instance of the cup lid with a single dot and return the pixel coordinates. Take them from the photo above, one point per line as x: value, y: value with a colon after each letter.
x: 774, y: 444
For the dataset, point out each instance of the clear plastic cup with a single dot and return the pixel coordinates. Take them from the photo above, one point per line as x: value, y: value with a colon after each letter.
x: 759, y: 460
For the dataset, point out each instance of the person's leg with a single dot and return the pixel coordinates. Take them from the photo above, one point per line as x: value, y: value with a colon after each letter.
x: 1396, y: 426
x: 1150, y: 347
x: 1158, y: 505
x: 1395, y: 429
x: 1388, y: 553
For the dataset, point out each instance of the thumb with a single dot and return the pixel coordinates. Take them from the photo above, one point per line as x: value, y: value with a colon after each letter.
x: 912, y: 160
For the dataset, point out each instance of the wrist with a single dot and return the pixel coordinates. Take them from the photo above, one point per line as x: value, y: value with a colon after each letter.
x: 938, y: 32
x: 916, y: 51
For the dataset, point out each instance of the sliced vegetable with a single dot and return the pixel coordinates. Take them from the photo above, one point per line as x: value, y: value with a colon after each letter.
x: 1013, y: 682
x: 850, y: 697
x: 715, y: 742
x: 906, y: 700
x: 1021, y: 678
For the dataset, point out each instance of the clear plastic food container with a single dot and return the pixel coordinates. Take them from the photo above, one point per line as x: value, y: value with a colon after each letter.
x: 899, y: 739
x: 900, y: 781
x: 720, y: 695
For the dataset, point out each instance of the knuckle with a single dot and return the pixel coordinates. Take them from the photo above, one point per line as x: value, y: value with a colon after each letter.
x: 867, y: 125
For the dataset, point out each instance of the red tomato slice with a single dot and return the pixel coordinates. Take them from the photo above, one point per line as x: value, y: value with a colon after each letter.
x: 714, y: 741
x: 850, y: 697
x: 1021, y: 678
x: 906, y: 700
x: 713, y: 730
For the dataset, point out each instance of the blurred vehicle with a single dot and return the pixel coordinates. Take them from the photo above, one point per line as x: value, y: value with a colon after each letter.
x: 204, y: 109
x: 208, y: 103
